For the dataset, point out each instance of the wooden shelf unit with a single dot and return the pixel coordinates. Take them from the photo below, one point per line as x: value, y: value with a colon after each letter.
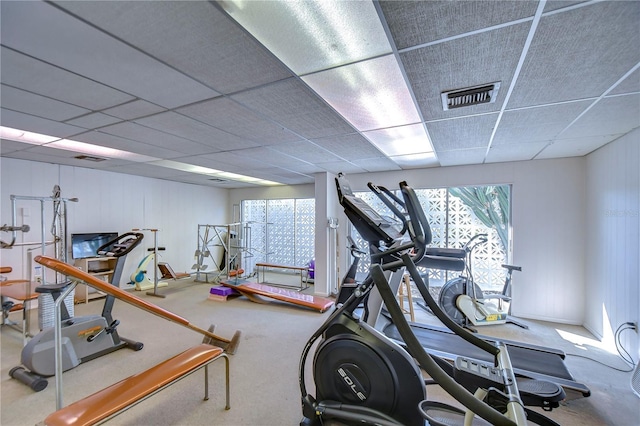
x: 101, y: 267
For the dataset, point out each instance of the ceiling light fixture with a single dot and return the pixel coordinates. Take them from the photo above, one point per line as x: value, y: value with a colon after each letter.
x: 341, y: 51
x: 97, y: 153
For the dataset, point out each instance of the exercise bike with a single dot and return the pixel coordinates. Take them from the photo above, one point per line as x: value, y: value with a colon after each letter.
x: 363, y: 377
x: 83, y: 338
x: 466, y: 304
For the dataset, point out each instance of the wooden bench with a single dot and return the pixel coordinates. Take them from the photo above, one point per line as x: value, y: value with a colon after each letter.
x: 303, y: 270
x: 119, y: 397
x: 24, y: 292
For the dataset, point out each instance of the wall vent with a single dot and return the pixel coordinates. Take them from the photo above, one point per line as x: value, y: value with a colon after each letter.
x: 89, y: 158
x: 485, y: 94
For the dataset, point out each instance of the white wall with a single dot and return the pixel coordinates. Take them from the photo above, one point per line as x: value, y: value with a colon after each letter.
x: 110, y: 202
x: 613, y: 240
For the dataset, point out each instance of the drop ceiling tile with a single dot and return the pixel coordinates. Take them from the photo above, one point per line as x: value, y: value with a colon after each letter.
x: 30, y: 74
x: 579, y: 53
x: 147, y: 170
x: 536, y: 124
x: 417, y: 22
x: 29, y: 103
x: 377, y: 164
x: 124, y: 144
x: 134, y: 109
x: 336, y: 167
x: 349, y: 147
x: 188, y: 128
x: 41, y: 30
x: 7, y: 146
x: 238, y: 161
x: 268, y: 156
x: 559, y: 4
x: 471, y: 61
x: 575, y: 147
x: 227, y: 115
x: 517, y: 151
x: 462, y: 133
x: 18, y: 120
x: 306, y: 151
x: 461, y: 157
x: 157, y: 138
x: 94, y: 120
x: 618, y: 114
x: 630, y: 84
x: 291, y: 104
x: 196, y: 38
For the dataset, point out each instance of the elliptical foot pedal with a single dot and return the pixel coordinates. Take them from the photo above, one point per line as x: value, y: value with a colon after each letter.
x: 439, y: 414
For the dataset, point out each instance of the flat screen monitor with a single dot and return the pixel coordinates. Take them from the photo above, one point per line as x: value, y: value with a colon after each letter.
x: 87, y: 244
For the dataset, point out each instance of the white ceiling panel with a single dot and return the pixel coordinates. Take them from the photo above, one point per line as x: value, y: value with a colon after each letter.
x: 515, y: 152
x: 579, y: 53
x: 613, y: 115
x: 536, y: 124
x: 350, y: 147
x: 462, y: 133
x: 41, y: 30
x: 575, y: 147
x: 306, y: 151
x: 27, y: 73
x: 19, y: 120
x: 188, y: 128
x: 157, y: 138
x: 407, y: 20
x: 94, y: 120
x: 134, y: 109
x: 21, y: 101
x: 296, y: 107
x: 226, y: 114
x: 462, y: 157
x: 170, y: 30
x: 112, y: 141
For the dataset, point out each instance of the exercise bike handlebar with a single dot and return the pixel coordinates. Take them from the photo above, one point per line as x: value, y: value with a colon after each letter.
x: 386, y: 196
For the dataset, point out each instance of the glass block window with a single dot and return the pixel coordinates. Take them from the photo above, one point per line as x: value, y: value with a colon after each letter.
x: 279, y: 231
x: 453, y: 215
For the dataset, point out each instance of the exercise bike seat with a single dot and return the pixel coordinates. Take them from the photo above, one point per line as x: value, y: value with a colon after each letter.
x: 52, y: 288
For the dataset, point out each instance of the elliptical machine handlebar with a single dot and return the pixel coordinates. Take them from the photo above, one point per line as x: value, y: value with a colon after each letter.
x: 418, y: 229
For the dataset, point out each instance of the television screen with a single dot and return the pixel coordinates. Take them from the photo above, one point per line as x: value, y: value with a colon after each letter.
x: 86, y: 245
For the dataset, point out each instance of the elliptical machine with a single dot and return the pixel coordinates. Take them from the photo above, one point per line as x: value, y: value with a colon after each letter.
x: 83, y: 338
x: 362, y: 377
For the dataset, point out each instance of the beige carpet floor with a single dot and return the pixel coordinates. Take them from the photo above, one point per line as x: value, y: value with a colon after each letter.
x: 264, y: 372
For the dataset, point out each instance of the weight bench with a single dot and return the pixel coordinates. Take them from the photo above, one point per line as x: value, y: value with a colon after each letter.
x: 168, y: 273
x: 119, y: 397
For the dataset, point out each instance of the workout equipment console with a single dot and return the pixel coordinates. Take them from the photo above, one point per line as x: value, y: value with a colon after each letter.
x: 123, y: 395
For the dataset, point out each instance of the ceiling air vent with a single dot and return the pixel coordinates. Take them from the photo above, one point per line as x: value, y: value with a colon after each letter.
x: 485, y: 94
x: 89, y: 158
x: 218, y: 180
